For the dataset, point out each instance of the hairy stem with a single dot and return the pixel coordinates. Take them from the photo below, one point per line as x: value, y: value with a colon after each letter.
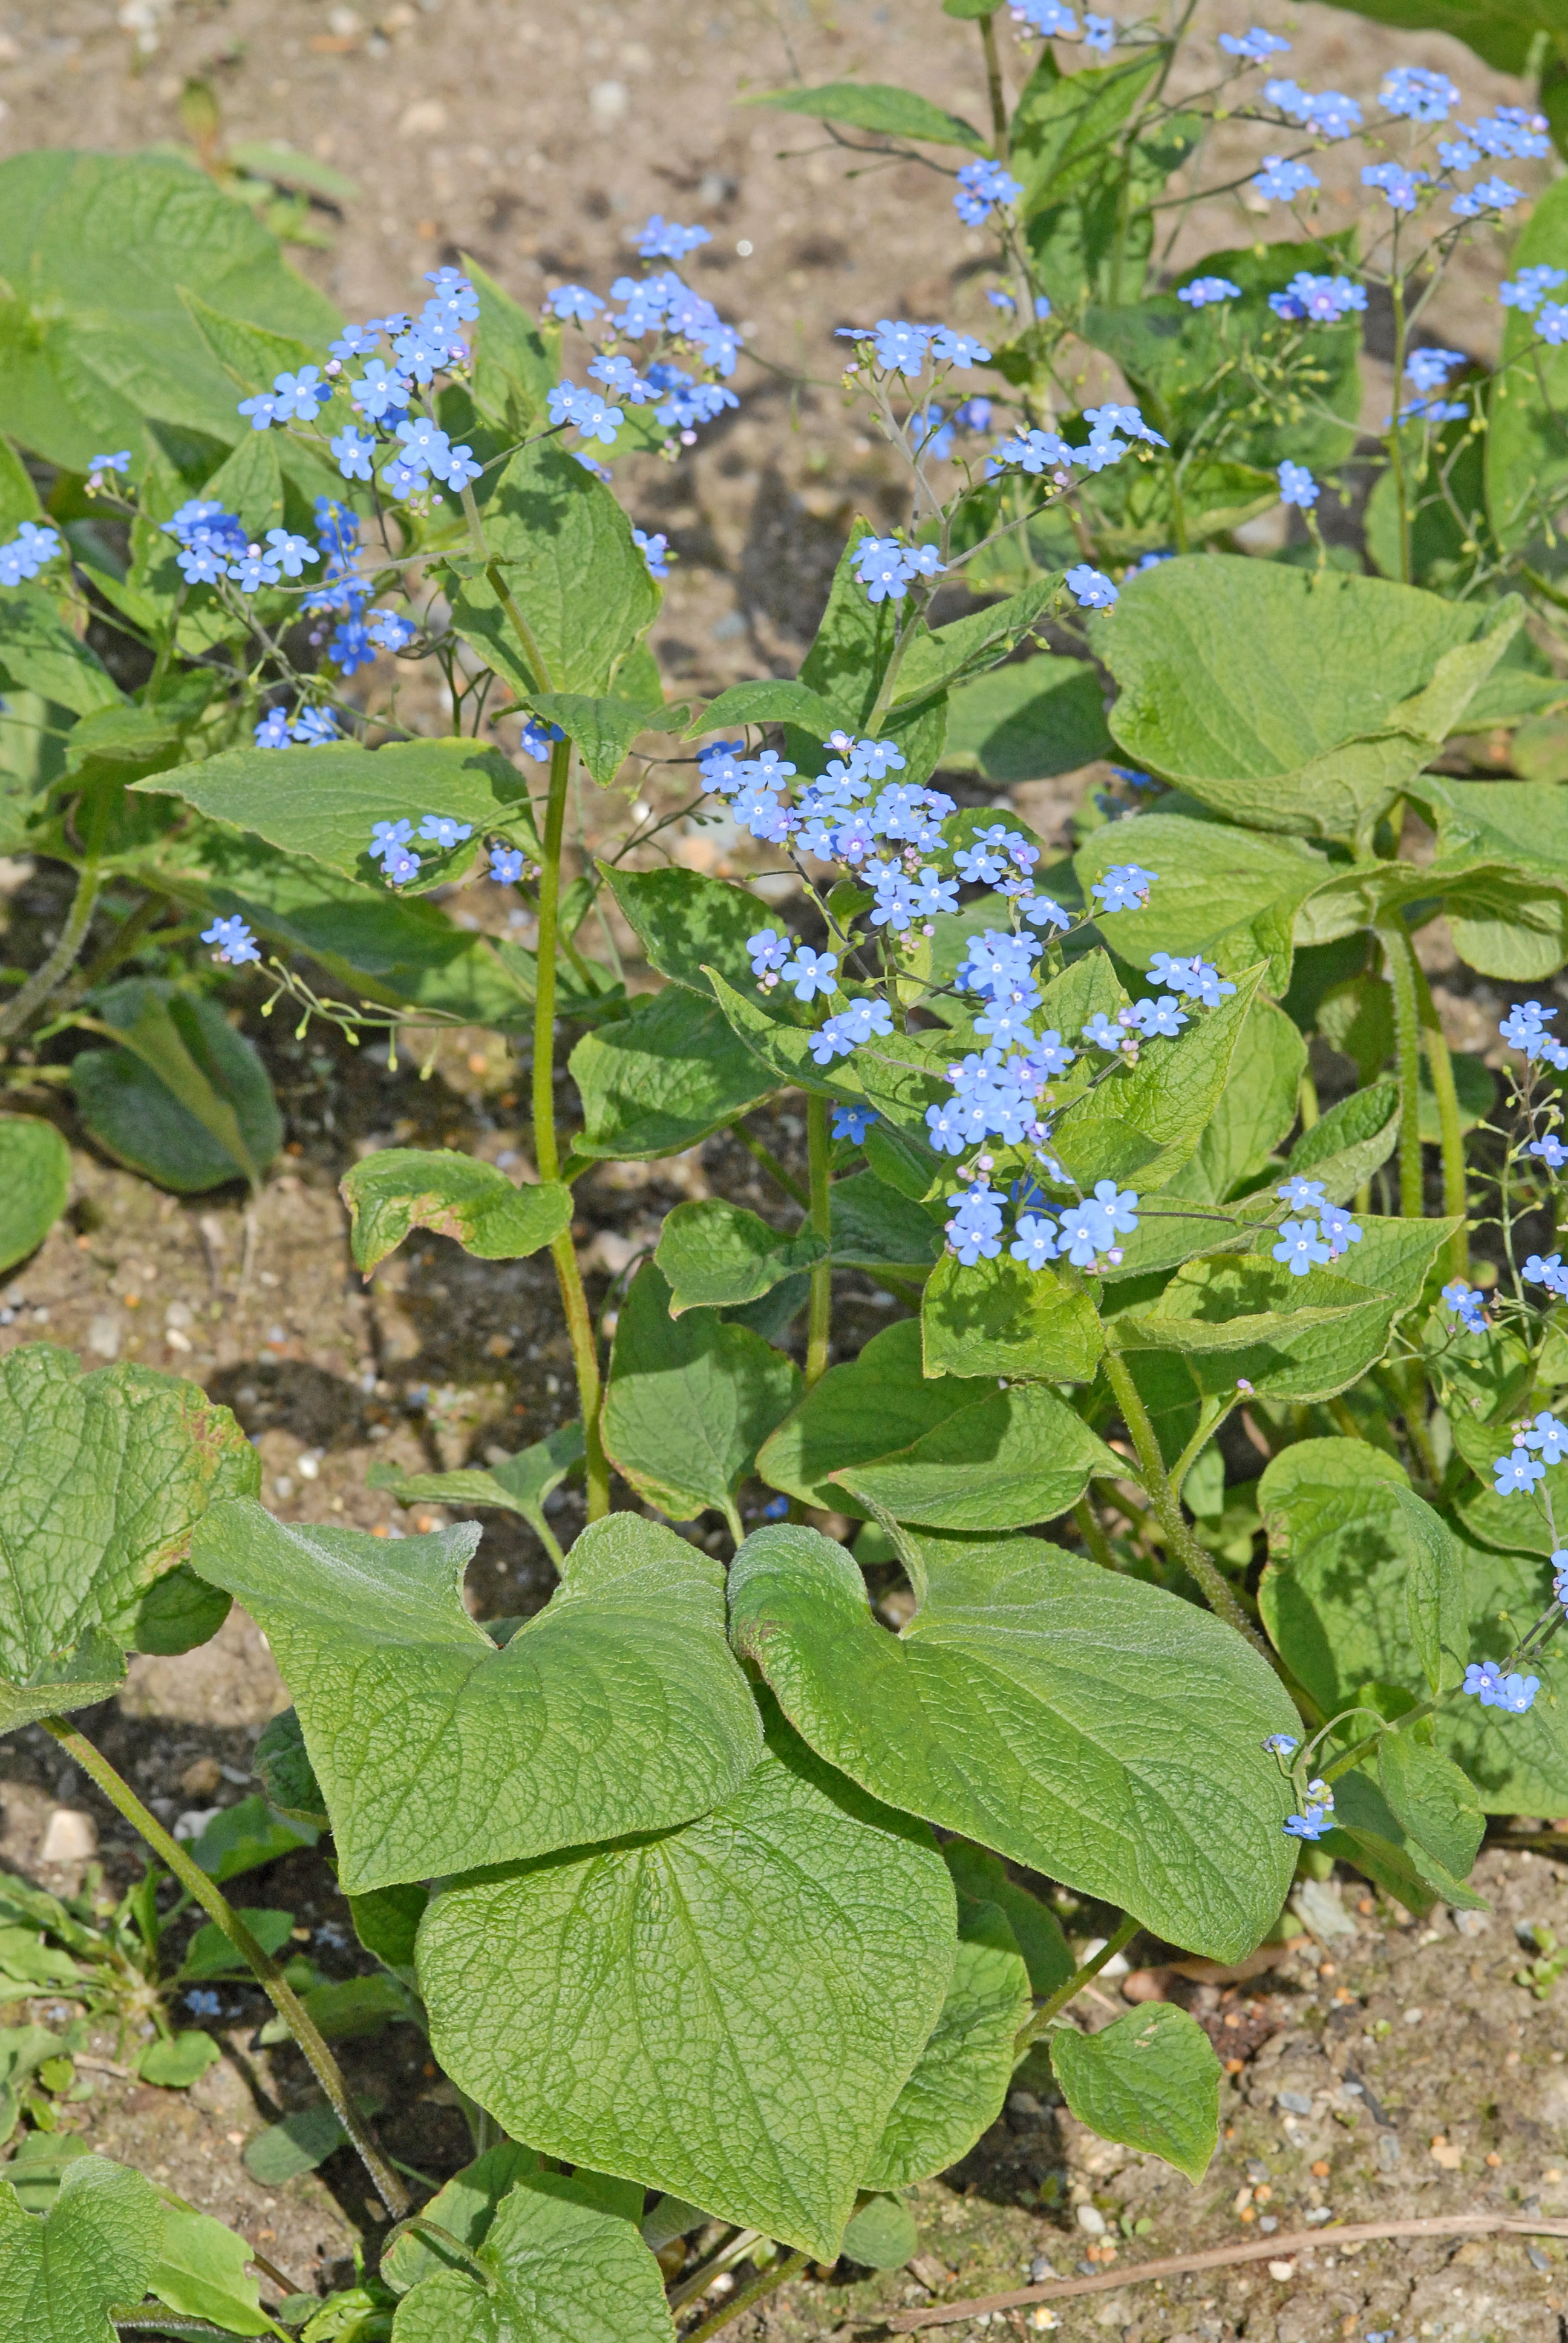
x: 52, y: 972
x: 1053, y: 2007
x: 779, y: 2273
x: 267, y: 1974
x: 546, y: 1153
x: 1093, y: 1530
x: 994, y: 90
x: 1195, y: 1558
x: 1399, y: 960
x: 818, y: 1145
x: 1454, y: 1197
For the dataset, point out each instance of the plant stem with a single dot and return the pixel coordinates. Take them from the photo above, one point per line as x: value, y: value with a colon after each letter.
x: 1195, y: 1558
x: 770, y: 1164
x: 1398, y: 959
x: 1093, y: 1530
x: 1053, y: 2007
x: 994, y: 90
x: 547, y: 1153
x: 1395, y: 445
x: 1454, y: 1197
x: 270, y: 1978
x: 777, y: 2273
x: 46, y: 978
x: 818, y: 1147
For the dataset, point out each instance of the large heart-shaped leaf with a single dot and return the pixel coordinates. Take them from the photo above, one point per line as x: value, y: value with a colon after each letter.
x: 103, y: 1478
x: 401, y: 1189
x: 553, y: 2268
x: 729, y: 2011
x: 1099, y: 1730
x: 961, y: 2076
x: 1149, y: 2080
x: 1226, y: 893
x: 35, y: 1182
x: 658, y: 1080
x: 617, y: 1708
x: 1142, y: 1123
x: 96, y: 2246
x: 690, y: 1401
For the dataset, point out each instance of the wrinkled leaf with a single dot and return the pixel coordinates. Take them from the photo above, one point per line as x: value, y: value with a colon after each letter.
x: 1149, y: 2080
x: 35, y: 1182
x: 557, y: 2269
x: 658, y: 1080
x: 961, y: 2077
x: 715, y: 1254
x: 96, y: 2245
x: 187, y: 1101
x: 401, y: 1189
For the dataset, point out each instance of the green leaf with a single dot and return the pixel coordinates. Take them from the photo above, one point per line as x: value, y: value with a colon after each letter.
x: 556, y: 2270
x: 465, y: 2208
x: 520, y: 1485
x: 175, y: 2065
x: 1226, y: 893
x: 1001, y: 1318
x: 945, y: 655
x: 34, y: 1183
x: 102, y: 1477
x: 321, y: 802
x: 1368, y: 1833
x: 95, y: 250
x: 778, y: 1042
x: 1290, y: 700
x: 202, y: 2270
x: 1143, y: 1123
x: 519, y: 363
x: 880, y: 2234
x: 282, y: 1765
x: 685, y: 922
x: 1435, y: 1592
x: 566, y: 553
x: 348, y: 2009
x: 658, y: 1080
x: 401, y: 1189
x: 769, y: 702
x: 245, y: 1836
x: 689, y: 1403
x: 1433, y: 1801
x: 96, y: 2245
x: 1150, y: 2080
x: 615, y: 1709
x: 39, y: 653
x: 1526, y: 458
x: 1007, y: 1459
x: 1499, y: 31
x: 729, y: 2011
x: 605, y: 729
x: 715, y: 1254
x: 1063, y: 125
x: 1256, y: 1109
x: 209, y: 1953
x: 984, y: 1878
x: 850, y: 650
x: 876, y: 105
x: 1096, y: 1728
x: 961, y: 2077
x: 853, y: 1413
x: 386, y: 1922
x: 300, y: 2143
x: 187, y: 1101
x: 876, y: 1227
x: 1028, y: 721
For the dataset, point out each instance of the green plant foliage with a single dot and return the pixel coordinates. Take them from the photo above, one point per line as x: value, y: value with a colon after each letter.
x: 616, y: 1709
x: 1149, y: 2080
x: 666, y: 2009
x: 282, y: 1766
x: 664, y: 1077
x: 685, y: 921
x: 97, y: 2245
x: 243, y: 1837
x: 185, y: 1100
x: 102, y: 1479
x: 880, y: 2234
x: 984, y: 1878
x: 552, y: 2269
x: 1028, y: 720
x: 175, y: 2065
x: 201, y: 2270
x: 986, y: 1706
x: 401, y: 1188
x: 876, y: 105
x: 520, y: 1485
x: 35, y: 1182
x: 715, y: 1254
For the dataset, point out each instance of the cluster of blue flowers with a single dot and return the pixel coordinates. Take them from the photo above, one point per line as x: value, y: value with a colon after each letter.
x: 885, y: 567
x: 1525, y: 1027
x: 1486, y: 1681
x: 663, y: 308
x: 1318, y: 1814
x: 1307, y: 1244
x: 1468, y: 1304
x: 1318, y: 300
x: 27, y: 552
x: 1519, y: 1469
x: 983, y: 187
x: 311, y: 728
x: 234, y: 941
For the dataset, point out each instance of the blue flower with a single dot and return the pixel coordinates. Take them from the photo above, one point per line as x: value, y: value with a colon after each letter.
x: 202, y: 2003
x: 1091, y: 588
x: 236, y: 943
x: 1318, y: 300
x: 119, y: 462
x: 899, y: 348
x: 441, y: 830
x: 353, y: 342
x: 662, y: 239
x: 1158, y: 1017
x: 1417, y: 95
x: 768, y: 951
x: 1036, y: 1241
x: 1399, y: 184
x: 1549, y: 1437
x: 401, y: 866
x: 722, y: 767
x: 389, y: 837
x: 1487, y: 195
x: 811, y: 972
x: 349, y: 647
x: 1302, y: 1196
x: 272, y: 732
x: 852, y: 1123
x: 291, y: 552
x: 1281, y: 1744
x: 1115, y: 1213
x: 1551, y: 1150
x: 1044, y: 912
x: 313, y: 726
x: 1516, y: 1471
x: 1484, y: 1680
x: 381, y: 392
x: 1051, y: 19
x: 1082, y: 1235
x: 1312, y: 1824
x: 1256, y: 46
x: 1280, y: 182
x: 1205, y: 291
x: 1430, y: 369
x: 353, y: 451
x: 1300, y: 1246
x: 1297, y: 486
x: 1548, y: 1273
x: 1340, y: 1231
x: 1033, y: 452
x: 26, y: 553
x: 573, y: 301
x: 390, y: 631
x: 1124, y: 887
x: 949, y: 348
x: 1467, y: 1303
x: 1530, y: 288
x: 981, y: 186
x: 1098, y: 32
x: 975, y: 1230
x: 536, y: 737
x: 455, y: 466
x: 254, y: 568
x: 506, y: 865
x: 1512, y: 135
x: 655, y: 551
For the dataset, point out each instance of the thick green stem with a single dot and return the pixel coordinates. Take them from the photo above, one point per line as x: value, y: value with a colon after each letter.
x: 777, y: 2273
x: 1193, y: 1557
x: 267, y: 1974
x: 1093, y: 1530
x: 546, y: 1153
x: 1395, y: 444
x: 46, y: 978
x: 818, y: 1148
x: 1399, y: 960
x: 1455, y: 1199
x: 1053, y: 2007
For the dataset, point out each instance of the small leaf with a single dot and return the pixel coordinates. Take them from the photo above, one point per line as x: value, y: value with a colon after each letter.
x: 245, y: 1836
x: 176, y: 2065
x: 616, y: 1709
x: 726, y: 2011
x: 1150, y: 2080
x: 519, y: 1485
x: 35, y: 1182
x: 769, y: 702
x: 1433, y: 1801
x: 465, y: 2208
x: 875, y: 106
x: 349, y: 2008
x: 662, y: 1077
x: 187, y: 1100
x: 210, y: 1954
x: 880, y: 2233
x: 1096, y: 1728
x: 984, y: 1878
x: 387, y: 1921
x: 401, y: 1189
x: 715, y: 1254
x: 96, y: 2245
x: 961, y: 2077
x: 557, y: 2271
x: 282, y: 1765
x: 300, y: 2143
x: 689, y: 1402
x: 605, y: 729
x: 202, y: 2270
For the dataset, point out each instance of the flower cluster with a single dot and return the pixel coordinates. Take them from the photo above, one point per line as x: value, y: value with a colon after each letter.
x: 662, y: 311
x: 311, y: 728
x: 983, y: 188
x: 1524, y: 1028
x: 1467, y: 1303
x: 233, y: 941
x: 1316, y: 1817
x: 1519, y: 1469
x: 26, y: 553
x: 886, y: 567
x: 1306, y: 1244
x: 1318, y: 300
x: 1486, y: 1681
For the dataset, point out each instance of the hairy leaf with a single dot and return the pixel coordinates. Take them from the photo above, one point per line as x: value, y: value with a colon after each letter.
x: 96, y: 2246
x: 187, y: 1100
x: 684, y: 921
x: 961, y: 2077
x: 1001, y: 1318
x: 1149, y: 2080
x: 35, y: 1182
x: 715, y: 1254
x: 557, y: 2269
x: 656, y: 1081
x: 202, y: 2270
x: 401, y: 1189
x: 1028, y: 720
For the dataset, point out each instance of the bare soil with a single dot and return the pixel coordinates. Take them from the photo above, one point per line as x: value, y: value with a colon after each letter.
x: 534, y: 137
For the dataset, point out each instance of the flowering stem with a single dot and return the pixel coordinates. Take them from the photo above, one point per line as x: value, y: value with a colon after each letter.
x: 1399, y: 960
x: 1193, y: 1557
x: 268, y: 1976
x: 1455, y: 1198
x: 1396, y: 449
x: 818, y: 1147
x: 1057, y: 2001
x: 547, y: 1154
